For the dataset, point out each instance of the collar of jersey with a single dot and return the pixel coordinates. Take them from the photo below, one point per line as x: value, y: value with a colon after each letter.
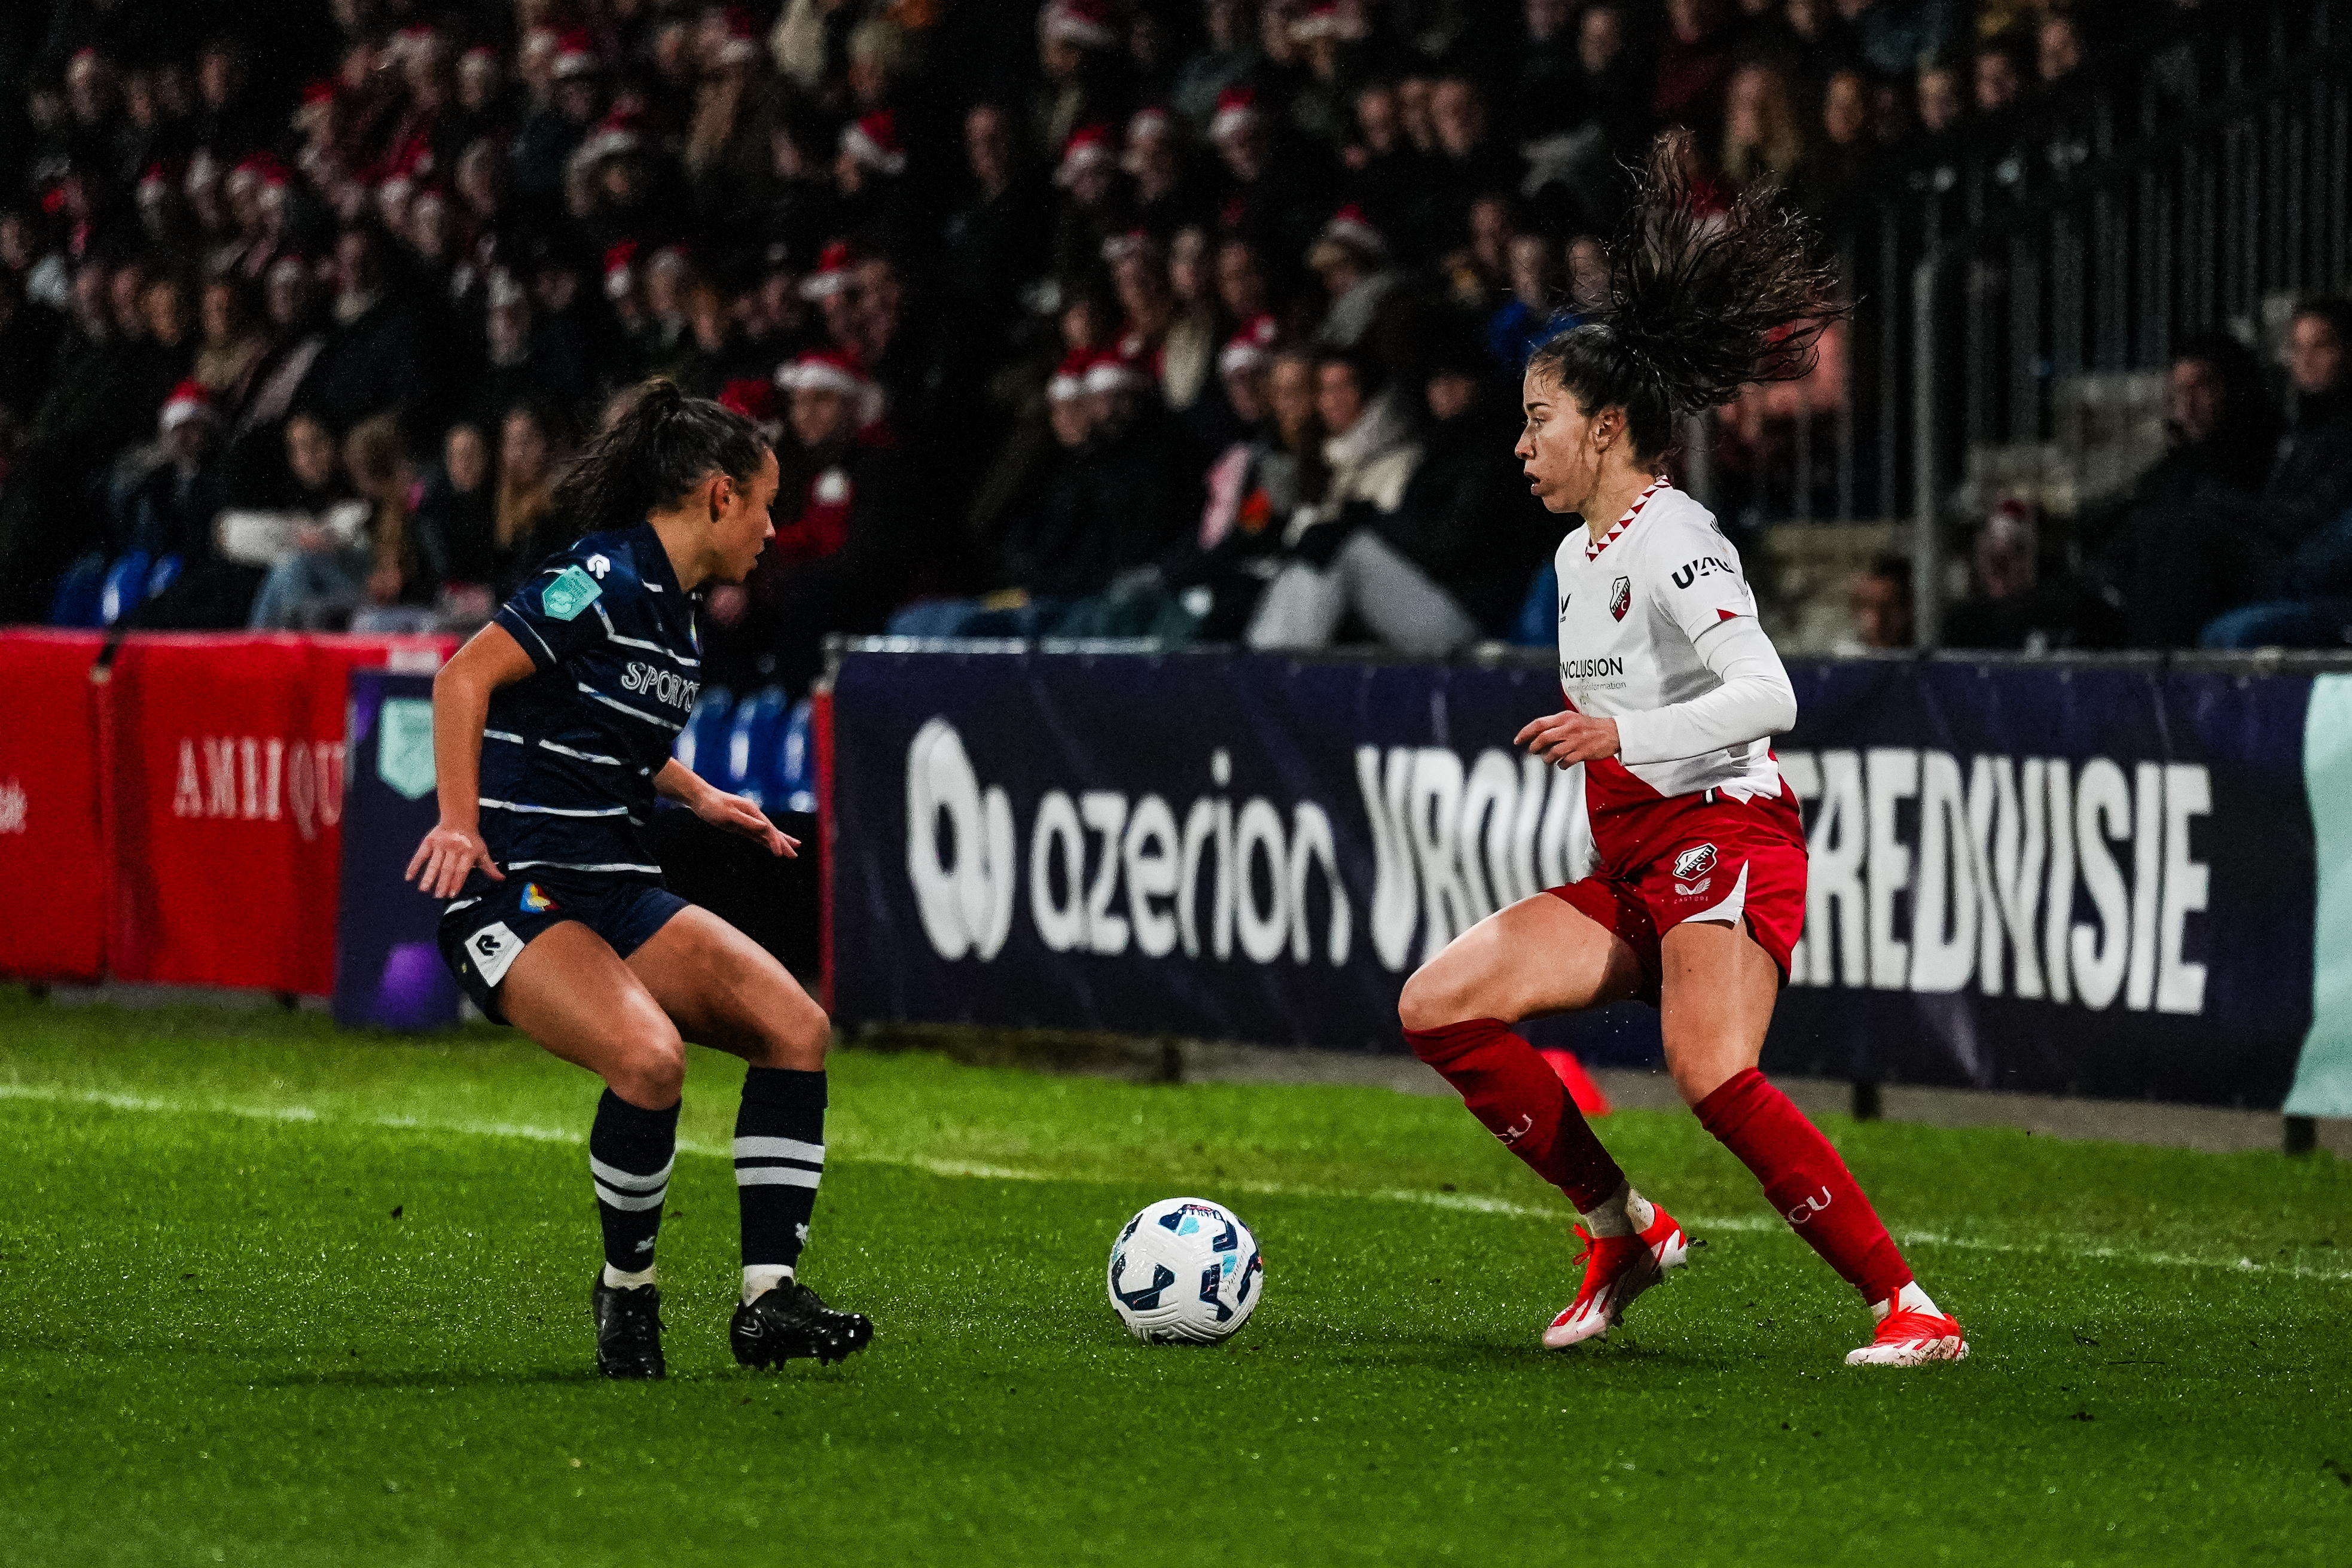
x: 1593, y: 550
x: 653, y: 561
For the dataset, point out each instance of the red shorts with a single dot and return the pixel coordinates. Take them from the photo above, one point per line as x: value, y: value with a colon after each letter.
x: 1724, y: 860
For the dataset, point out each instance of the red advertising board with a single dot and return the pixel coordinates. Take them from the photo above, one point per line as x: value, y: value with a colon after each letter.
x: 224, y: 767
x: 52, y: 850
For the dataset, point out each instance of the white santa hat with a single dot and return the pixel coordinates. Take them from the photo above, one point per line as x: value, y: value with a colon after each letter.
x: 1236, y: 107
x: 873, y: 141
x: 189, y: 400
x: 1108, y: 372
x: 1249, y: 348
x: 833, y: 370
x: 1085, y: 23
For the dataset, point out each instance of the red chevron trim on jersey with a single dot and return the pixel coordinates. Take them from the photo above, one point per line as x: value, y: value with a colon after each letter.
x: 1593, y: 552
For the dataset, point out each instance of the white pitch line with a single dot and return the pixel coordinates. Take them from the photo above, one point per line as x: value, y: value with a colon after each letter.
x: 1459, y: 1202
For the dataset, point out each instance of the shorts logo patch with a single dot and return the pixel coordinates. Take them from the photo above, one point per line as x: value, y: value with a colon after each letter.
x: 1695, y: 862
x: 1692, y: 890
x: 571, y: 592
x: 535, y: 903
x: 494, y: 949
x: 1620, y: 597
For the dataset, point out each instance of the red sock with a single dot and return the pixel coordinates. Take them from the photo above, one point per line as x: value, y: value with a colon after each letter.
x: 1510, y: 1088
x: 1804, y: 1180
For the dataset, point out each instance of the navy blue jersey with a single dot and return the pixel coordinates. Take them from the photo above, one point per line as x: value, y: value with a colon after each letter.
x: 569, y: 753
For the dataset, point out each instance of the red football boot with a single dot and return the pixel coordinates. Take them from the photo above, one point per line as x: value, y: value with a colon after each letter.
x: 1616, y: 1269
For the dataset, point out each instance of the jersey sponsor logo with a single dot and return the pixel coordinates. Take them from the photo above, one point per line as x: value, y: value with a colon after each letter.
x: 1620, y: 597
x: 571, y: 592
x: 1695, y: 862
x: 1690, y: 572
x: 1563, y: 606
x: 661, y: 684
x: 1512, y: 1134
x: 534, y: 902
x: 1590, y: 668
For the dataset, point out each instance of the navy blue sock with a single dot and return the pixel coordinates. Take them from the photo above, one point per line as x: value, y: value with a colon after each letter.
x: 630, y: 1151
x: 779, y: 1157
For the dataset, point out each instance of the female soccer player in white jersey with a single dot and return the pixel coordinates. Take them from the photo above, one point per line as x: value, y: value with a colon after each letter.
x: 1672, y: 691
x: 552, y: 731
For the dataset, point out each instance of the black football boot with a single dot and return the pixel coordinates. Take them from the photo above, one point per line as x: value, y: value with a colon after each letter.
x: 628, y: 1330
x: 791, y: 1321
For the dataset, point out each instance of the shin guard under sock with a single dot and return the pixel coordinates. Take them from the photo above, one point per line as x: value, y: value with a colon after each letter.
x: 1513, y: 1090
x: 1806, y: 1182
x: 630, y: 1151
x: 778, y: 1159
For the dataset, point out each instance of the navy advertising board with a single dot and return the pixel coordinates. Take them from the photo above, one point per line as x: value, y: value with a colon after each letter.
x: 2094, y: 879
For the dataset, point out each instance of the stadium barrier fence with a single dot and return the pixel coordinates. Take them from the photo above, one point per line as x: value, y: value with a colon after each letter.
x: 2126, y: 877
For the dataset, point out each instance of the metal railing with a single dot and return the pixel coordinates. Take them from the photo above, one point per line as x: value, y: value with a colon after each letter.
x: 2185, y: 195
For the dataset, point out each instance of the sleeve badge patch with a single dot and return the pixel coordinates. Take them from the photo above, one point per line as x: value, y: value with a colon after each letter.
x: 571, y: 592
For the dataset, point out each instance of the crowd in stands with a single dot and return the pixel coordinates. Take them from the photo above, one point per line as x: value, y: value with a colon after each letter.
x: 1195, y: 319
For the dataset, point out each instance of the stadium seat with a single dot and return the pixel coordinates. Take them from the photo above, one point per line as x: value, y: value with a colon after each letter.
x: 76, y: 601
x: 797, y: 762
x: 753, y: 748
x: 125, y: 588
x: 702, y: 744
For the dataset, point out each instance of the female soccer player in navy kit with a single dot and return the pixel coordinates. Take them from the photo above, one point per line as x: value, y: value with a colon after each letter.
x: 553, y: 729
x: 1673, y: 691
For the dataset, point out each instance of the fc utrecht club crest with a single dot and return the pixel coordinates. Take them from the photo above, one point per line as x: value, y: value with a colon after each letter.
x: 1695, y: 861
x: 1620, y: 597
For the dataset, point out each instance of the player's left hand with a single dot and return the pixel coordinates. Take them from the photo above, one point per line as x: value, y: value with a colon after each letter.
x: 1561, y: 738
x: 738, y: 814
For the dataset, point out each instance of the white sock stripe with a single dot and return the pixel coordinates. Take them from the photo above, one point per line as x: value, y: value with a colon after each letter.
x: 629, y: 1181
x: 779, y: 1149
x: 776, y: 1176
x: 631, y: 1201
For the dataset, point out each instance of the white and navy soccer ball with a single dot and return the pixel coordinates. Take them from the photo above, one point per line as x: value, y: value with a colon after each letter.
x: 1185, y: 1271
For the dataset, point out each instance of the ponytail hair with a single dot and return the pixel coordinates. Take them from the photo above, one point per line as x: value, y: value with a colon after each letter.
x: 1700, y: 304
x: 664, y: 447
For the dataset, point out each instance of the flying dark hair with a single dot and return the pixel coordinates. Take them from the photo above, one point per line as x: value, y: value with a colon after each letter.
x: 664, y: 447
x: 1700, y: 304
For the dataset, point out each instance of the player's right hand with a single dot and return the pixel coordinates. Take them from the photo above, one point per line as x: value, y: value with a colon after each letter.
x: 446, y: 855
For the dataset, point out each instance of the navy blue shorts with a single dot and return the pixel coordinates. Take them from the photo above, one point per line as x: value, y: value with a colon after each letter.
x: 484, y: 929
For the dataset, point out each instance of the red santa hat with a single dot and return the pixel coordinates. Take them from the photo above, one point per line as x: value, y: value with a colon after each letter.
x: 1090, y: 147
x: 1070, y: 376
x: 833, y: 370
x: 741, y: 44
x: 1250, y: 347
x: 1351, y: 228
x: 623, y: 131
x: 832, y: 275
x: 575, y: 53
x: 1149, y: 124
x: 873, y: 141
x: 1108, y: 372
x: 155, y: 185
x: 1085, y: 23
x: 620, y: 269
x: 318, y: 96
x: 1236, y: 107
x: 752, y: 398
x: 189, y: 400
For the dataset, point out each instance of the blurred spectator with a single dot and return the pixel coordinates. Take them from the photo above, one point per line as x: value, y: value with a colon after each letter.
x: 1881, y: 604
x: 359, y: 554
x: 2009, y: 605
x: 1532, y: 315
x: 457, y: 515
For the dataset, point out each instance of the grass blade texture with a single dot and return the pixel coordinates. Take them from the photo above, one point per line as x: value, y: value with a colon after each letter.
x: 276, y: 1294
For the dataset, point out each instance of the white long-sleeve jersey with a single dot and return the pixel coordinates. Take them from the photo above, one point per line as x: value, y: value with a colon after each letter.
x: 1658, y: 631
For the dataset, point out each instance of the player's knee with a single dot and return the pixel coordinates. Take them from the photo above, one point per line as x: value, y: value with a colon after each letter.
x: 802, y: 1038
x: 651, y: 1073
x: 1429, y: 1001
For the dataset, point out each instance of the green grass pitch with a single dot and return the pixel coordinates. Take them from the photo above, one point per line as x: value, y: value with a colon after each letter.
x: 274, y: 1294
